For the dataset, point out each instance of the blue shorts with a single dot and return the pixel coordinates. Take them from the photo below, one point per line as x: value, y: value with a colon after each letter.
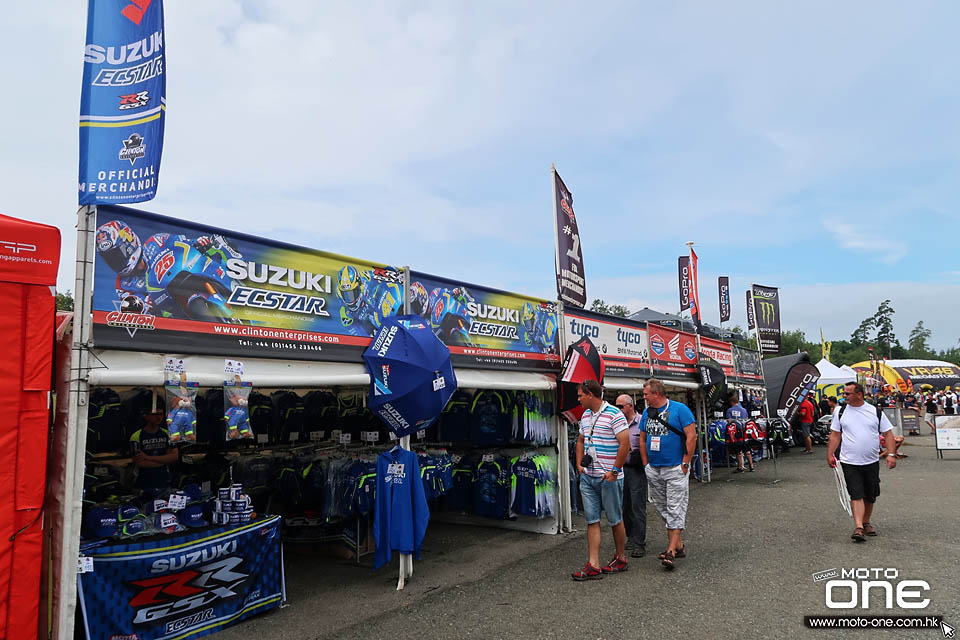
x: 597, y: 493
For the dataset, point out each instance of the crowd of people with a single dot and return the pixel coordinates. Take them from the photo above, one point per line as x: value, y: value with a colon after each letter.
x: 622, y: 456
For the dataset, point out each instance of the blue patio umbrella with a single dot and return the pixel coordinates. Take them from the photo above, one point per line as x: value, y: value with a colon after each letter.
x: 411, y: 377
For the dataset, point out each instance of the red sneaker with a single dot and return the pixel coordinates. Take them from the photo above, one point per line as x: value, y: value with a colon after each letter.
x: 615, y: 566
x: 589, y: 572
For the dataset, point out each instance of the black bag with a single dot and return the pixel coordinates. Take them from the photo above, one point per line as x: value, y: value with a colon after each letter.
x: 657, y: 418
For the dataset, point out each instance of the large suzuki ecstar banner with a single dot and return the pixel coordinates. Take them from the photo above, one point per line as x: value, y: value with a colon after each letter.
x: 485, y: 328
x: 171, y: 286
x: 123, y: 102
x: 622, y: 343
x: 185, y: 587
x: 673, y: 353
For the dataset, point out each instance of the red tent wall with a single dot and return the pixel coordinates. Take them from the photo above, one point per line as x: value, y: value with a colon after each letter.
x: 29, y: 257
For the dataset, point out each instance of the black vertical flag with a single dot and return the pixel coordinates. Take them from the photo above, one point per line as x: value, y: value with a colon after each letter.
x: 724, y: 287
x: 750, y: 323
x: 766, y: 301
x: 683, y: 276
x: 571, y: 280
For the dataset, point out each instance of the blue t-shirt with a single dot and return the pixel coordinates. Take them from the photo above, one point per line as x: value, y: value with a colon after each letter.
x: 677, y: 415
x: 737, y: 411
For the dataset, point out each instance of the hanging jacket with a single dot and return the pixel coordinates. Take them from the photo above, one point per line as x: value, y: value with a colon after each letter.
x: 401, y: 512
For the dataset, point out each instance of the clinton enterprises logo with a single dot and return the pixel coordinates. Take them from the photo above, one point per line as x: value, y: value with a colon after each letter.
x: 656, y: 344
x: 766, y: 311
x: 133, y: 148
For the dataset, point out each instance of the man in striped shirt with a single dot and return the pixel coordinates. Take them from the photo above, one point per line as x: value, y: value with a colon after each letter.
x: 602, y: 450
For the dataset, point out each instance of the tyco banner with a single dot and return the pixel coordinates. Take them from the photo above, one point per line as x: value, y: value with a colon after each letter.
x: 673, y: 353
x: 766, y: 305
x: 485, y: 328
x: 723, y: 287
x: 571, y: 279
x: 183, y: 587
x: 123, y: 102
x: 622, y: 344
x: 168, y: 285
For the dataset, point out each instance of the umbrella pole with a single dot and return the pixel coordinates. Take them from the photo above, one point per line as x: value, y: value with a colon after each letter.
x: 406, y: 560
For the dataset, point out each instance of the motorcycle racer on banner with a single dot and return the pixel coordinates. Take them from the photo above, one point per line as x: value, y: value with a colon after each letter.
x: 449, y: 318
x: 366, y: 300
x: 168, y: 275
x: 539, y: 327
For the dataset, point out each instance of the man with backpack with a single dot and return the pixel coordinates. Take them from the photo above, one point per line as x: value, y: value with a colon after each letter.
x: 857, y: 426
x: 949, y: 403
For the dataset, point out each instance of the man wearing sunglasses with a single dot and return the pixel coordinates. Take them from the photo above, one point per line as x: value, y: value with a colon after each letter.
x: 856, y: 425
x: 635, y: 489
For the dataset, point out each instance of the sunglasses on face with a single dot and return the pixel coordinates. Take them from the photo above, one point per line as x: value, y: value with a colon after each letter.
x: 621, y: 406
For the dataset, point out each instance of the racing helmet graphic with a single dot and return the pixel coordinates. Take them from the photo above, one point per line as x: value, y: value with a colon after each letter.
x: 419, y: 298
x: 350, y: 287
x: 528, y: 316
x: 119, y: 246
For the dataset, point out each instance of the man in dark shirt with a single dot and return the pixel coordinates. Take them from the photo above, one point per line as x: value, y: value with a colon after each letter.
x: 152, y: 454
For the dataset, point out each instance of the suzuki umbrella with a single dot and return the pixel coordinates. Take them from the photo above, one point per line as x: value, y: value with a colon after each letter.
x: 411, y: 378
x: 582, y: 362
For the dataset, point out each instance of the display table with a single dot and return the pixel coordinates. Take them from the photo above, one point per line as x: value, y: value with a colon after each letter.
x: 182, y: 586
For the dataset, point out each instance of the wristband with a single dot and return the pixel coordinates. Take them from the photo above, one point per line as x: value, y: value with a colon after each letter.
x: 617, y: 471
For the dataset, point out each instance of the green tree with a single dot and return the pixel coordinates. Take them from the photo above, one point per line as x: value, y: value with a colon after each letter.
x: 918, y: 345
x: 64, y: 301
x: 883, y: 320
x: 600, y: 306
x: 861, y: 335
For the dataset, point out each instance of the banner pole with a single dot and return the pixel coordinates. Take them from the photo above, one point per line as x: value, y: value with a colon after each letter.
x: 556, y: 228
x: 766, y: 399
x: 406, y: 560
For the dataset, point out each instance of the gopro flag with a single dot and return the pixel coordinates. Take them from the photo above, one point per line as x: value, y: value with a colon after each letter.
x: 122, y: 102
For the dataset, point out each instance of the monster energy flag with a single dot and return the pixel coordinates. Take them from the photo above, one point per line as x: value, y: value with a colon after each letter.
x: 122, y: 102
x: 766, y: 305
x: 724, y: 288
x: 683, y: 277
x: 750, y: 323
x: 571, y: 281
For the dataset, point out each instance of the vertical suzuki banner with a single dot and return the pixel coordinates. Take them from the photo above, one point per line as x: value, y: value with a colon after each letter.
x: 122, y: 102
x: 750, y: 321
x: 683, y: 277
x: 571, y: 279
x: 723, y: 287
x: 766, y: 306
x: 695, y: 292
x: 183, y: 587
x: 673, y: 353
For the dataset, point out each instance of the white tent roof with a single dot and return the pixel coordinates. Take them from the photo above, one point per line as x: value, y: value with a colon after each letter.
x: 832, y: 374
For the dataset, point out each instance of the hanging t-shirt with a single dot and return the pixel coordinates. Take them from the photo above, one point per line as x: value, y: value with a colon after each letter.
x: 525, y: 477
x: 492, y: 488
x: 664, y: 447
x: 491, y: 422
x: 401, y: 507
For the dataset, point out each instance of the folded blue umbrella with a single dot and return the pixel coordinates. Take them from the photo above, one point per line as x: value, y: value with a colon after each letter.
x: 411, y: 377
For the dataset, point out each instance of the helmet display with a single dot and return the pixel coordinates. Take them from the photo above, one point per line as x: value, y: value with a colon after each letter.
x: 350, y: 287
x: 119, y: 246
x: 528, y: 316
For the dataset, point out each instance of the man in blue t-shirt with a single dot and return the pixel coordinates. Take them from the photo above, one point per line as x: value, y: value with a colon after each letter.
x: 736, y: 412
x: 666, y: 451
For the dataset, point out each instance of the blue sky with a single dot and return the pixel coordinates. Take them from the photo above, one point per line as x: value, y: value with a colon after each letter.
x: 810, y: 145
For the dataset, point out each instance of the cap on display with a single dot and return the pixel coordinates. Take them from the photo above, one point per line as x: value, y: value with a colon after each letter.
x: 101, y: 523
x: 127, y: 512
x: 135, y: 527
x: 165, y: 522
x: 192, y: 516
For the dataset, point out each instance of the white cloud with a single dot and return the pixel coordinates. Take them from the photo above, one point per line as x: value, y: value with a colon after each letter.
x: 862, y: 238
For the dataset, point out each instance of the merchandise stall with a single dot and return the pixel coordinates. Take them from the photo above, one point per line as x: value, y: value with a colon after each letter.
x: 177, y: 310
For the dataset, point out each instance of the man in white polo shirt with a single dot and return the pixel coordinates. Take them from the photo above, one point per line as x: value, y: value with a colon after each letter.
x: 857, y: 425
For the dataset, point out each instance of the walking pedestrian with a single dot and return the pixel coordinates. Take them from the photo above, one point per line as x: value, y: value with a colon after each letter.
x: 856, y: 426
x: 806, y: 423
x: 666, y: 450
x: 635, y: 486
x: 602, y: 449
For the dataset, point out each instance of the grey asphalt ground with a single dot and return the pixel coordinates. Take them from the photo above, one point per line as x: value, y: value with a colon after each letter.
x: 753, y: 547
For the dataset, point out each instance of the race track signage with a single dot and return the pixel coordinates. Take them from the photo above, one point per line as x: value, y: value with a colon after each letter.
x: 622, y: 343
